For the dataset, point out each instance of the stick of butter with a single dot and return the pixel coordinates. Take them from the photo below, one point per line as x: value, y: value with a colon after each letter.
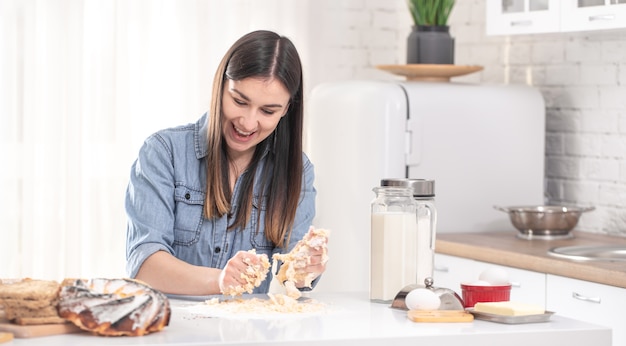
x: 509, y: 308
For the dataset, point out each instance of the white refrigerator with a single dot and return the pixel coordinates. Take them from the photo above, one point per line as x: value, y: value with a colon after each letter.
x: 482, y: 144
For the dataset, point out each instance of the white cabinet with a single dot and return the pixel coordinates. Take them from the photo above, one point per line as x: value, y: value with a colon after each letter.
x: 588, y: 301
x: 527, y: 286
x: 507, y: 17
x: 585, y: 15
x: 451, y: 271
x: 582, y: 300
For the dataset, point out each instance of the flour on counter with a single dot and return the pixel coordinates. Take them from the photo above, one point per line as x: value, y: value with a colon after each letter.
x: 276, y: 306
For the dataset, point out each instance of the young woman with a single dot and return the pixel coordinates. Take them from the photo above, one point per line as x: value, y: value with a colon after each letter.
x: 201, y: 195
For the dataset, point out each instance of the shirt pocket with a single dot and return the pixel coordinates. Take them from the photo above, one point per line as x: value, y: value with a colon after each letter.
x: 188, y: 215
x: 257, y: 237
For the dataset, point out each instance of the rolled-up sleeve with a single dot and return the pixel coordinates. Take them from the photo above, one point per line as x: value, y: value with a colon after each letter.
x: 150, y: 204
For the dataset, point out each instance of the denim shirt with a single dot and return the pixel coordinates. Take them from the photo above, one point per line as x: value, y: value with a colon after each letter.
x: 165, y: 204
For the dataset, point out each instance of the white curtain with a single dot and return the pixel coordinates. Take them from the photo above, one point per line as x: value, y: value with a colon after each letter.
x: 82, y: 84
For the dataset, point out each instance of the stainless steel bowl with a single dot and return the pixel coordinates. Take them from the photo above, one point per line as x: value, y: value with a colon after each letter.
x: 544, y: 221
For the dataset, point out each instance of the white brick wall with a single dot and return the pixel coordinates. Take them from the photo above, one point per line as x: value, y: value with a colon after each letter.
x: 582, y: 77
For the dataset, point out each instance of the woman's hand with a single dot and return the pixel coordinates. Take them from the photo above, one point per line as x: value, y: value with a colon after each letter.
x: 243, y: 272
x: 304, y: 263
x: 316, y: 254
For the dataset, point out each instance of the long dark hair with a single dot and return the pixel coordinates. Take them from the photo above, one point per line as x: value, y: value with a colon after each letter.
x: 260, y: 54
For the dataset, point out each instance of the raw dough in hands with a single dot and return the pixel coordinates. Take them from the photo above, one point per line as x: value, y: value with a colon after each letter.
x: 294, y: 262
x: 292, y: 269
x: 254, y: 275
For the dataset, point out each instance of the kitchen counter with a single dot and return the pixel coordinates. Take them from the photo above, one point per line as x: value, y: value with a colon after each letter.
x: 350, y: 319
x: 505, y: 248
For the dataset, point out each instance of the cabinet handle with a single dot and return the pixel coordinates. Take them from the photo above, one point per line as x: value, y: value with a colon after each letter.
x: 602, y: 17
x: 586, y: 299
x: 522, y: 23
x: 441, y: 269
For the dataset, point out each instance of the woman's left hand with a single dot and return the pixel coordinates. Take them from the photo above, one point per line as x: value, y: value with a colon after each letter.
x: 317, y: 255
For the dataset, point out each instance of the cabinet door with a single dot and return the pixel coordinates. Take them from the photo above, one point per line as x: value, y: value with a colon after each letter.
x: 578, y: 15
x: 526, y: 286
x: 507, y: 17
x: 588, y: 301
x: 451, y: 271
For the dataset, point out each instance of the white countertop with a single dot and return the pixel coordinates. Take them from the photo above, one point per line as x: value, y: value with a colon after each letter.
x: 351, y: 319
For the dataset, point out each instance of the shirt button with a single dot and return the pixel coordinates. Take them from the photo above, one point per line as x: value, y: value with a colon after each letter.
x: 187, y: 196
x: 217, y: 249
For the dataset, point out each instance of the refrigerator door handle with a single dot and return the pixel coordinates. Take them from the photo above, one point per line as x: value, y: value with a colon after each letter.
x: 414, y: 143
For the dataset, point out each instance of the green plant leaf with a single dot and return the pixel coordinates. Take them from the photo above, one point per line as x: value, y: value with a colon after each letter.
x: 430, y: 12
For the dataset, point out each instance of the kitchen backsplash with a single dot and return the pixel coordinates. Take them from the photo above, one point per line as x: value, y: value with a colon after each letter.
x: 582, y: 77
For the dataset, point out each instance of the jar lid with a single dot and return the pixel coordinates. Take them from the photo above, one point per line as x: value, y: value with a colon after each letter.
x: 421, y: 187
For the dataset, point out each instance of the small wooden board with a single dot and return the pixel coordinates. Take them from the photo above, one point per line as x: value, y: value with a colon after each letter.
x: 440, y: 316
x: 31, y: 331
x: 6, y: 337
x: 35, y: 330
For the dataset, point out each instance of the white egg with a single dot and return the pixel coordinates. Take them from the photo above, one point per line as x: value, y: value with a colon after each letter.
x: 480, y: 283
x: 422, y: 299
x: 495, y: 276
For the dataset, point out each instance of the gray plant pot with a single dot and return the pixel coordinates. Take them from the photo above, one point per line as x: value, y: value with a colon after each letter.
x: 430, y: 45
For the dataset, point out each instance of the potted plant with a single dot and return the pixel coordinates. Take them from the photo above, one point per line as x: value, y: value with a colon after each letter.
x: 430, y: 41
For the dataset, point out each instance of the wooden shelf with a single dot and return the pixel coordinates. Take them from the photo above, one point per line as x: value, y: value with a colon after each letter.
x: 430, y: 72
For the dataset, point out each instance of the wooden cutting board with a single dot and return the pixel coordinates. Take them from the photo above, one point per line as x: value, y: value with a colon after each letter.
x: 6, y: 337
x: 440, y: 316
x: 31, y: 331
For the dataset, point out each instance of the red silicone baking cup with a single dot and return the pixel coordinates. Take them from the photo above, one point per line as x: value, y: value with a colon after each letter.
x: 481, y: 294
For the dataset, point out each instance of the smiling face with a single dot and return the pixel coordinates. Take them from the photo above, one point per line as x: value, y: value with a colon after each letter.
x: 251, y: 110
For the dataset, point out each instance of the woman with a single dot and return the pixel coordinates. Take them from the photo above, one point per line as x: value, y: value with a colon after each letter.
x: 201, y: 195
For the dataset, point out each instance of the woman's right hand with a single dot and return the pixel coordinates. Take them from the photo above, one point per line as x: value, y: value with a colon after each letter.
x: 231, y: 274
x: 236, y: 275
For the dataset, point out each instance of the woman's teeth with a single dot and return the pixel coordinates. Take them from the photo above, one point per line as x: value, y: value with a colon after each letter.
x: 242, y: 133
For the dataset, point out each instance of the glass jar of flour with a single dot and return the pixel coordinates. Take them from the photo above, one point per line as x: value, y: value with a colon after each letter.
x: 393, y: 242
x: 423, y: 191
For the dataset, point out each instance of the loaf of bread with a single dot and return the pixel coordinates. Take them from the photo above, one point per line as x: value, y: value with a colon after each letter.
x: 508, y: 308
x: 30, y: 301
x: 114, y: 307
